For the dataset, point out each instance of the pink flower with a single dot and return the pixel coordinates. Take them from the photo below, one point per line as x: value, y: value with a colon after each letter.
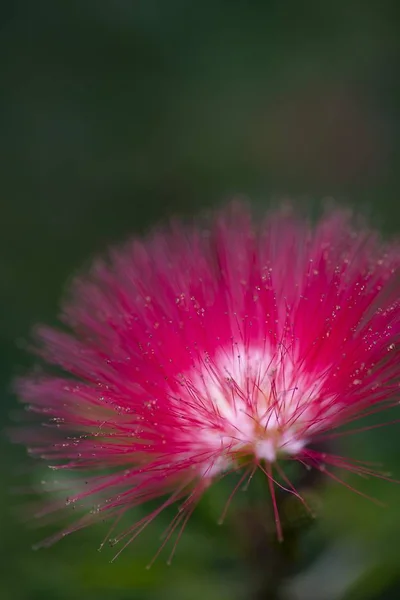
x: 199, y: 351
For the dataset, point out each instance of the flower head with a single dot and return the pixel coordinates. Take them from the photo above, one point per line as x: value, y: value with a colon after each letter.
x: 199, y: 351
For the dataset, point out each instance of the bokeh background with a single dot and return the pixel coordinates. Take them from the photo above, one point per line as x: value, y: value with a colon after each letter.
x: 118, y: 114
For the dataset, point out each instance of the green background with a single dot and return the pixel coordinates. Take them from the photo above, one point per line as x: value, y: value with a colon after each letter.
x: 117, y: 114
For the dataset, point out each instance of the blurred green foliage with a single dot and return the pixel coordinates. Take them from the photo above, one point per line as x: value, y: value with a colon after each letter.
x: 116, y: 115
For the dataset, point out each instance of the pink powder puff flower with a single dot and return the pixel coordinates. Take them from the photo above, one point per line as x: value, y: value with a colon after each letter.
x: 200, y: 351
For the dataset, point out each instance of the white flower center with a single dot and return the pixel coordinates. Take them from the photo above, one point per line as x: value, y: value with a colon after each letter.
x: 255, y: 402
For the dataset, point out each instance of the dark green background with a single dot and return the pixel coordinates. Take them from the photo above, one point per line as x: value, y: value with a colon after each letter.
x: 117, y: 114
